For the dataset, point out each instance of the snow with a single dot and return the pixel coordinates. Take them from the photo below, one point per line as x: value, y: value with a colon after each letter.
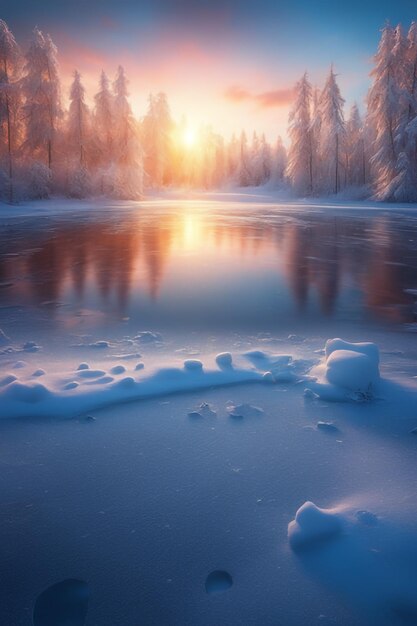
x: 84, y: 389
x: 312, y: 525
x: 349, y: 371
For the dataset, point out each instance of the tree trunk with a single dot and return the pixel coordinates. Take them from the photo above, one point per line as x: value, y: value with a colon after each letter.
x: 336, y: 182
x: 9, y: 137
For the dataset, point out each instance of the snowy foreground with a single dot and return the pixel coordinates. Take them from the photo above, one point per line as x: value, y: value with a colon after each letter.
x: 230, y: 477
x: 229, y: 472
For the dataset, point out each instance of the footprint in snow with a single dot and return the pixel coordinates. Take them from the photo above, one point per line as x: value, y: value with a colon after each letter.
x: 218, y: 581
x: 62, y: 604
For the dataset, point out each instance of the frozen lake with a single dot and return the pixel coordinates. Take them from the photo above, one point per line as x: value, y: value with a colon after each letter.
x: 200, y: 267
x: 145, y: 501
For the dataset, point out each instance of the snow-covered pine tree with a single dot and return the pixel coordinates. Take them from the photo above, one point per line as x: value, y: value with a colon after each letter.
x: 355, y: 149
x: 403, y: 187
x: 10, y: 102
x: 243, y: 174
x: 300, y: 154
x: 315, y: 136
x: 127, y: 151
x: 332, y: 136
x: 232, y: 158
x: 255, y: 160
x: 78, y: 137
x: 279, y: 163
x: 103, y: 122
x: 41, y: 87
x: 157, y: 129
x: 164, y: 133
x: 265, y: 160
x: 384, y: 100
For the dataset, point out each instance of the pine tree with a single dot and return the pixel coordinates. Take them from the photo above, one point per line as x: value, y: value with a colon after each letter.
x: 127, y: 152
x: 103, y: 121
x: 383, y: 103
x: 157, y: 137
x: 332, y: 136
x: 10, y: 100
x: 78, y: 134
x: 403, y: 187
x: 41, y: 86
x: 355, y: 149
x: 279, y: 163
x: 243, y: 173
x: 300, y: 155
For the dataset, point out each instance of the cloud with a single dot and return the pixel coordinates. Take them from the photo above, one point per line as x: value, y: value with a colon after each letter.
x: 265, y: 99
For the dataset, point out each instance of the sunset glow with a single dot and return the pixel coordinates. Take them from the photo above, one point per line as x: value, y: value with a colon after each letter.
x: 189, y: 138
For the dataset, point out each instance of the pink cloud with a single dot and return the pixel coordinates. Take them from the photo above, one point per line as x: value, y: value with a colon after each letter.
x: 265, y: 99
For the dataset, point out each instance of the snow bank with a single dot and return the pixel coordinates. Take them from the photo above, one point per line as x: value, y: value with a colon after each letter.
x: 86, y: 388
x: 350, y: 371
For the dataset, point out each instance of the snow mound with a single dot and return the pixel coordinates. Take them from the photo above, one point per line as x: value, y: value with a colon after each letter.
x: 224, y: 360
x: 311, y: 526
x: 193, y: 365
x: 39, y: 372
x: 366, y: 347
x: 350, y: 371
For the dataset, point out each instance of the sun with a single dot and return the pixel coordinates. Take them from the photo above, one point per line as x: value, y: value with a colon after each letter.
x: 189, y: 137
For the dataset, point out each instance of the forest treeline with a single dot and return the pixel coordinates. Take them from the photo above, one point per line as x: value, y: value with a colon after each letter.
x: 103, y: 149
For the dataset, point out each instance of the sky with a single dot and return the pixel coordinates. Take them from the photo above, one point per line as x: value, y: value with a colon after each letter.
x: 228, y: 63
